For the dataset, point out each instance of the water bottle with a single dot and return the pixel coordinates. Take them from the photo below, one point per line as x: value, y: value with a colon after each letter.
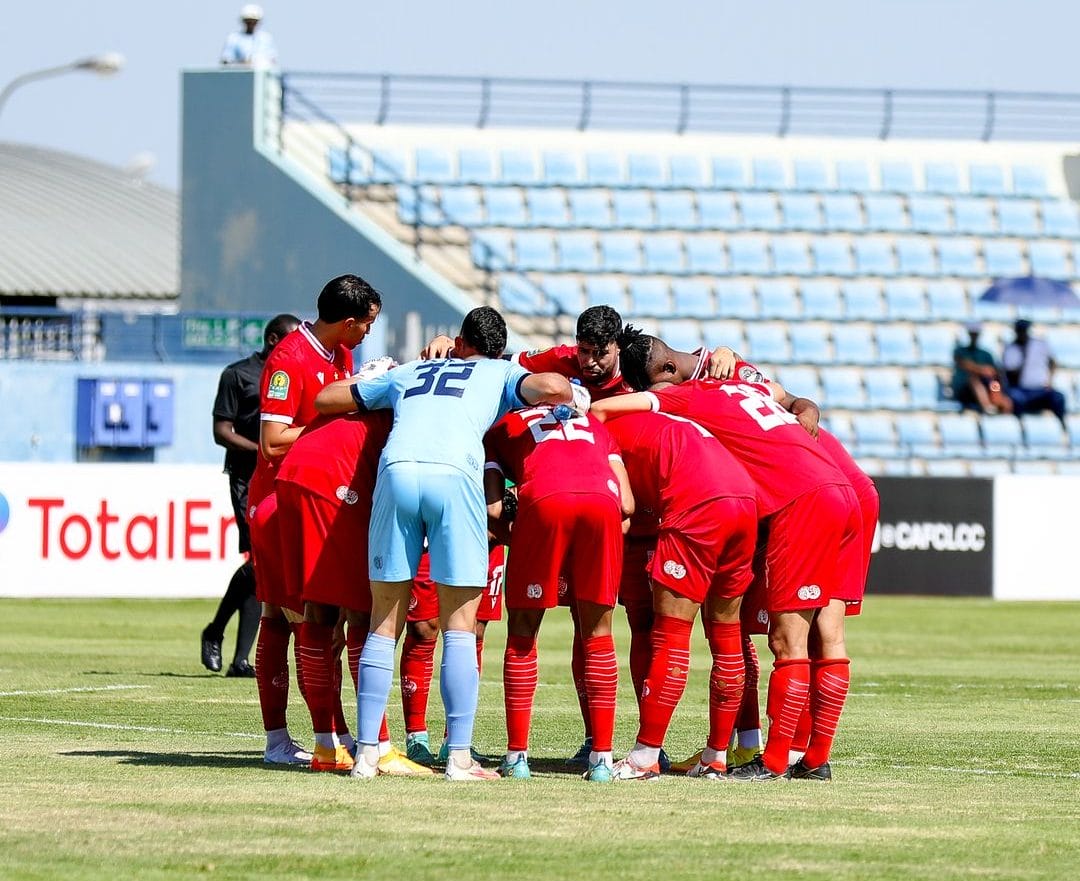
x: 562, y: 412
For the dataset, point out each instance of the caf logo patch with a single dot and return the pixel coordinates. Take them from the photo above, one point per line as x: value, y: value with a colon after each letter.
x: 809, y: 592
x: 534, y: 591
x: 675, y: 570
x: 278, y: 390
x: 346, y: 495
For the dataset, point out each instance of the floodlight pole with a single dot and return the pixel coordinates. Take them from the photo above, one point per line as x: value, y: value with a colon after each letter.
x: 105, y: 64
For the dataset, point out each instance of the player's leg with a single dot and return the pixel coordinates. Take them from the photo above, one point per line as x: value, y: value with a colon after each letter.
x: 417, y: 664
x: 580, y: 759
x: 315, y: 645
x: 602, y: 684
x: 520, y: 675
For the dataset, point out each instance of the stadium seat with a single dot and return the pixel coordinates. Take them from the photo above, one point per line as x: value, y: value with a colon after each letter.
x: 759, y: 211
x: 620, y: 252
x: 767, y: 342
x: 504, y: 206
x: 475, y: 166
x: 854, y: 344
x: 564, y: 292
x: 811, y: 175
x: 832, y: 257
x: 986, y: 180
x: 705, y: 255
x: 929, y: 214
x: 947, y: 301
x: 389, y: 166
x: 1059, y: 218
x: 948, y: 468
x: 852, y: 175
x: 1064, y: 341
x: 663, y: 254
x: 1072, y: 421
x: 802, y: 382
x: 1049, y: 259
x: 874, y: 434
x: 649, y: 296
x: 842, y: 389
x: 810, y: 343
x: 603, y: 170
x: 915, y: 256
x: 605, y: 291
x: 800, y: 212
x: 1001, y: 435
x: 896, y: 344
x: 406, y: 204
x: 1004, y: 259
x: 959, y: 257
x: 790, y: 256
x: 842, y: 213
x: 768, y: 174
x: 874, y: 257
x: 675, y: 210
x: 590, y: 209
x: 693, y: 298
x: 491, y: 250
x: 839, y: 426
x: 821, y: 299
x: 1029, y: 180
x: 518, y: 167
x: 427, y: 203
x: 728, y: 173
x: 942, y: 177
x: 461, y: 206
x: 885, y: 213
x: 534, y: 252
x: 632, y: 209
x: 724, y: 333
x: 989, y: 467
x: 736, y: 299
x: 1034, y: 466
x: 547, y: 208
x: 973, y: 217
x: 936, y: 343
x: 717, y: 211
x: 645, y: 170
x: 561, y: 168
x: 924, y: 386
x: 336, y: 165
x: 1017, y: 217
x: 959, y: 435
x: 905, y: 301
x: 1044, y: 436
x: 749, y: 255
x: 916, y: 434
x: 886, y: 389
x: 862, y: 301
x: 685, y: 336
x: 777, y: 299
x: 685, y: 171
x: 898, y: 177
x: 352, y: 166
x: 577, y: 252
x: 518, y: 295
x: 434, y: 165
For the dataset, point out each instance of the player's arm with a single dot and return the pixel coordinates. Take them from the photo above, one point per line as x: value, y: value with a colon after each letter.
x: 336, y: 398
x: 440, y: 347
x: 226, y: 407
x: 626, y: 492
x: 494, y: 482
x: 546, y: 388
x: 275, y: 439
x: 620, y: 405
x: 722, y: 363
x: 225, y: 436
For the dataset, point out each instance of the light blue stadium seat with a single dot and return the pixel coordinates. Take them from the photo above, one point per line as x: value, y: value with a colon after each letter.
x: 959, y: 257
x: 905, y: 301
x: 929, y: 214
x: 885, y: 213
x: 1035, y: 466
x: 862, y: 301
x: 681, y: 334
x: 778, y: 299
x: 434, y: 165
x: 663, y: 254
x: 534, y: 251
x: 1029, y: 180
x: 915, y: 256
x: 1060, y: 220
x: 749, y: 255
x: 564, y: 292
x: 842, y: 213
x: 406, y: 204
x: 959, y: 435
x: 590, y: 209
x: 989, y: 467
x: 693, y: 298
x: 685, y: 171
x: 1072, y: 421
x: 725, y: 333
x: 854, y: 344
x: 620, y: 252
x: 936, y: 343
x: 476, y: 166
x: 547, y: 208
x: 951, y: 467
x: 916, y: 434
x: 896, y: 344
x: 649, y: 296
x: 736, y: 299
x: 821, y: 299
x: 705, y: 255
x: 898, y: 177
x: 759, y: 211
x: 645, y: 170
x: 875, y: 435
x: 1044, y: 436
x: 986, y: 180
x: 852, y: 175
x: 717, y: 210
x: 832, y: 257
x: 603, y: 170
x: 810, y: 342
x: 352, y: 167
x: 389, y: 166
x: 874, y: 257
x: 518, y: 295
x: 518, y: 166
x: 1017, y: 217
x: 842, y: 388
x: 337, y: 165
x: 886, y: 389
x: 811, y: 175
x: 790, y: 256
x: 504, y: 206
x: 561, y: 168
x: 633, y: 209
x: 675, y: 210
x: 767, y: 343
x: 728, y: 173
x: 1064, y: 342
x: 973, y: 216
x: 491, y: 250
x: 1049, y: 259
x: 802, y: 382
x: 942, y: 177
x: 1004, y: 259
x: 924, y: 386
x: 768, y: 174
x: 801, y: 212
x: 461, y: 206
x: 947, y: 300
x: 577, y: 252
x: 428, y: 205
x: 605, y: 291
x: 1001, y: 435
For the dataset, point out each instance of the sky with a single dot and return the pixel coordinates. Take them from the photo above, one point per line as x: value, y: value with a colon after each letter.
x: 132, y: 118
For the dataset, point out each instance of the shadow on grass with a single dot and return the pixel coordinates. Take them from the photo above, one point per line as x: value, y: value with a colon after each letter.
x: 241, y: 759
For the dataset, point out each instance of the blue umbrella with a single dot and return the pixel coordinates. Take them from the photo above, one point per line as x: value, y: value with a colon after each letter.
x: 1031, y: 291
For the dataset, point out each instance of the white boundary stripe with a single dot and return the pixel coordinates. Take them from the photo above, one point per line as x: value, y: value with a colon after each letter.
x: 145, y: 728
x: 72, y: 690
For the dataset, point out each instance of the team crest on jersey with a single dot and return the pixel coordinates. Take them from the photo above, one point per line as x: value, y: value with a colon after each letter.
x: 472, y: 462
x: 762, y: 617
x: 346, y: 495
x: 534, y: 591
x: 809, y: 592
x: 413, y: 604
x: 279, y: 386
x: 377, y: 561
x: 675, y: 570
x: 750, y: 374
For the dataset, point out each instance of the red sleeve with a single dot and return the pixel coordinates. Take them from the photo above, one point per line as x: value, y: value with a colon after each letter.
x: 607, y: 439
x: 280, y: 390
x: 557, y: 359
x: 493, y: 443
x: 675, y: 399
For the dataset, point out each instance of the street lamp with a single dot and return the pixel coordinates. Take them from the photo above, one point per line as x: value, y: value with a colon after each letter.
x: 104, y: 64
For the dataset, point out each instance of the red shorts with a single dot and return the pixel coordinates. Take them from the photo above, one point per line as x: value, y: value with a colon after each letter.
x: 852, y: 560
x: 803, y: 549
x: 707, y: 549
x: 578, y: 535
x: 424, y: 599
x: 267, y: 559
x: 324, y: 548
x: 635, y: 590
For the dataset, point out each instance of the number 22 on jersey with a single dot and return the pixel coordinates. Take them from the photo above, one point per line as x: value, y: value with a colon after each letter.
x: 544, y: 426
x: 766, y: 412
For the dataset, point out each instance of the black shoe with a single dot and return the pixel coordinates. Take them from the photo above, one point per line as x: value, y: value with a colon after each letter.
x: 241, y: 668
x: 211, y: 653
x: 799, y: 771
x: 754, y: 771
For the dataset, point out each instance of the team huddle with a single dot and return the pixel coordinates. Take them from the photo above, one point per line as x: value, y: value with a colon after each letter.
x: 614, y: 472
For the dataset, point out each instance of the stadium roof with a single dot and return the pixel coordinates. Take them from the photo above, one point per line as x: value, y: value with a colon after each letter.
x: 76, y: 228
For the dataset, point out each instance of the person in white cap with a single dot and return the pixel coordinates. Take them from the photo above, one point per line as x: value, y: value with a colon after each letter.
x: 250, y: 47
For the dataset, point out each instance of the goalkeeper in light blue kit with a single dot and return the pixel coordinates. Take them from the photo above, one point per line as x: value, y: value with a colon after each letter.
x: 430, y: 484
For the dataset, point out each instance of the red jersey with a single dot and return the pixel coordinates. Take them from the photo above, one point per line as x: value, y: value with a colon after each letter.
x: 545, y: 456
x: 675, y: 465
x: 295, y: 373
x: 339, y: 455
x: 781, y: 458
x: 563, y: 360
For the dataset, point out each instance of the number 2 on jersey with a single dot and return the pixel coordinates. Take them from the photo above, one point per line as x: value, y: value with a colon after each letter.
x: 544, y: 426
x: 440, y: 378
x: 763, y: 410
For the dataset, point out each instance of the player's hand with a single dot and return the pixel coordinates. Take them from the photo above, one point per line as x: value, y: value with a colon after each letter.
x: 375, y: 367
x: 582, y: 400
x: 722, y: 363
x: 440, y: 347
x: 809, y: 417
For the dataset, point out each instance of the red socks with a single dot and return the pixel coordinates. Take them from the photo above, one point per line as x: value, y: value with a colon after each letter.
x: 272, y: 670
x: 789, y: 689
x: 417, y: 660
x: 601, y: 684
x: 726, y: 681
x: 519, y: 689
x: 479, y: 655
x: 313, y: 650
x: 829, y: 688
x: 666, y: 680
x: 577, y: 668
x: 749, y: 717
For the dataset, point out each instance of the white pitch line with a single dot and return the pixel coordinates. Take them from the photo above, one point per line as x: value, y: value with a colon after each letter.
x: 144, y: 728
x: 72, y: 690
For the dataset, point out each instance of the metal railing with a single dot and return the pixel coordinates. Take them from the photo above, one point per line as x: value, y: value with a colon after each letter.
x: 486, y: 102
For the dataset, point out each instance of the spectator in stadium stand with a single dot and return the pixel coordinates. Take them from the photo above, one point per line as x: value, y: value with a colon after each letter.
x: 236, y: 428
x: 976, y: 380
x: 250, y: 47
x: 1029, y: 367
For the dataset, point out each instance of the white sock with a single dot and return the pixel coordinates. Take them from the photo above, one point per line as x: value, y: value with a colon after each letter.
x: 325, y: 739
x: 750, y: 739
x: 596, y: 757
x: 794, y: 755
x: 384, y: 747
x: 710, y: 756
x: 643, y: 756
x: 276, y: 736
x: 461, y: 757
x: 513, y: 756
x: 370, y: 754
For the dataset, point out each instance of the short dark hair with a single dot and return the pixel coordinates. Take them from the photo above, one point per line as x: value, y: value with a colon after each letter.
x: 598, y: 326
x: 280, y: 325
x: 635, y: 353
x: 485, y: 330
x: 347, y: 296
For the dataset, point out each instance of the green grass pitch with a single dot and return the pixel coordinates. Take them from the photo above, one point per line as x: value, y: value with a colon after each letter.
x: 958, y: 758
